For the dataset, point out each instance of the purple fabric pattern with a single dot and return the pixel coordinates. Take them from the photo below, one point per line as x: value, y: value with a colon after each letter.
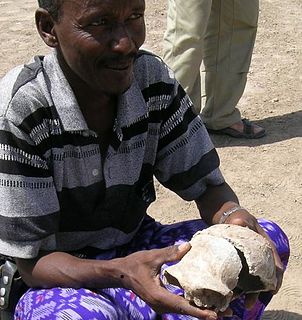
x: 118, y: 303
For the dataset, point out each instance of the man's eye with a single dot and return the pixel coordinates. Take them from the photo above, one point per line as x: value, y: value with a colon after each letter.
x: 100, y: 22
x: 135, y: 16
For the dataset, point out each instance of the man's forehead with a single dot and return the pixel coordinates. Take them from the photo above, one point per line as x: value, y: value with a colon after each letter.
x: 84, y: 7
x: 88, y: 3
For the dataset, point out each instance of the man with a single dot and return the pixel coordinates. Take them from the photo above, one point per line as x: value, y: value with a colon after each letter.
x: 221, y: 34
x: 83, y: 130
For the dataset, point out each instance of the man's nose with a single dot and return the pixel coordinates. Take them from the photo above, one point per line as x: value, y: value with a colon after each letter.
x: 122, y: 41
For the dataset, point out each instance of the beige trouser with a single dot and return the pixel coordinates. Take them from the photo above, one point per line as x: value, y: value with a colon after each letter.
x: 217, y: 37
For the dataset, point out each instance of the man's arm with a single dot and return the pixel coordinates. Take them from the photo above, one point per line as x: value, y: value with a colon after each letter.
x: 216, y: 200
x: 138, y: 272
x: 62, y: 269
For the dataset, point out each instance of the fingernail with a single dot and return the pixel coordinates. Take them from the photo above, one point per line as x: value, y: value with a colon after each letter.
x: 183, y: 246
x: 212, y: 317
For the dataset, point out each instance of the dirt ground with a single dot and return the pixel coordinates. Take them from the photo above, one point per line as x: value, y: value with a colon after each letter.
x: 266, y: 173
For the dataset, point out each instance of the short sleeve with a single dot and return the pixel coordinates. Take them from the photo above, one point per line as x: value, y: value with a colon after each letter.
x: 187, y: 161
x: 29, y: 205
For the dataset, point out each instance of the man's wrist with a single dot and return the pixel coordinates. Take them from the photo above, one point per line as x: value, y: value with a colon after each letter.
x: 229, y: 212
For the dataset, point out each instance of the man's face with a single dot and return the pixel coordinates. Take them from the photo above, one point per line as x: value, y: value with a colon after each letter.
x: 98, y: 41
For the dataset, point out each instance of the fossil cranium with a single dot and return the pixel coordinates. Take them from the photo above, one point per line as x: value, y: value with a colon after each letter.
x: 224, y: 258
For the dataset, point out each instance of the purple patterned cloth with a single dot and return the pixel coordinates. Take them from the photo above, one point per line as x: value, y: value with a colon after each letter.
x: 118, y: 303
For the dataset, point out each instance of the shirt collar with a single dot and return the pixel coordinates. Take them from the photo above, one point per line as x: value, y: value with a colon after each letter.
x: 131, y: 108
x: 63, y: 97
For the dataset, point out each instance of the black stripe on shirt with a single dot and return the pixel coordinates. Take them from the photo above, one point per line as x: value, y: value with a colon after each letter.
x: 36, y: 118
x: 27, y: 170
x: 158, y: 89
x: 175, y: 104
x: 135, y: 129
x: 111, y: 211
x: 8, y: 138
x: 23, y: 229
x: 184, y: 180
x: 120, y: 206
x: 17, y: 157
x: 57, y: 139
x: 178, y: 130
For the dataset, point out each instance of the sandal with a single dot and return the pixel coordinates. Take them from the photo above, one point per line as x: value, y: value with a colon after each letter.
x: 248, y: 132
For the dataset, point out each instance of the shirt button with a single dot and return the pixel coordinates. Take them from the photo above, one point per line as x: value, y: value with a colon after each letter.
x: 95, y: 172
x: 86, y: 134
x: 2, y: 292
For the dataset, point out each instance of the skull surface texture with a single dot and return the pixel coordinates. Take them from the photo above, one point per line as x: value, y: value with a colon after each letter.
x: 223, y: 258
x: 259, y: 272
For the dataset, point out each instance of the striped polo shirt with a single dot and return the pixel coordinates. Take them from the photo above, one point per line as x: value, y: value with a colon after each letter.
x: 58, y: 193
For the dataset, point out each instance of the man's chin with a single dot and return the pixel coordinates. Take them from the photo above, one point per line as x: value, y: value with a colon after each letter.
x: 117, y: 87
x: 127, y: 88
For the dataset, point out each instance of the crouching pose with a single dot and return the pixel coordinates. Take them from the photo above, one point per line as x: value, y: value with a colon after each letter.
x: 83, y: 132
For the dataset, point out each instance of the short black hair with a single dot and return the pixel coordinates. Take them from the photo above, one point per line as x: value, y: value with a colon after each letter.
x: 52, y: 6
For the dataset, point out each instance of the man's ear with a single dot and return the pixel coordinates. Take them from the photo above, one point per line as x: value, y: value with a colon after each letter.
x: 45, y: 25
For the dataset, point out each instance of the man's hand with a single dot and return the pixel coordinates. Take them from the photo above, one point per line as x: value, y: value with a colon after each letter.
x: 142, y: 276
x: 245, y: 219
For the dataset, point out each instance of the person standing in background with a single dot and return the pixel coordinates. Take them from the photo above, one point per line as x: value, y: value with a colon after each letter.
x: 220, y: 34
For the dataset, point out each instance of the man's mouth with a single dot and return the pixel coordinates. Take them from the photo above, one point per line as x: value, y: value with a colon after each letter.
x: 119, y: 64
x: 118, y: 67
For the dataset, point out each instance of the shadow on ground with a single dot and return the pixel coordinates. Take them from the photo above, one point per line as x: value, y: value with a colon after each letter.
x: 281, y: 315
x: 279, y: 128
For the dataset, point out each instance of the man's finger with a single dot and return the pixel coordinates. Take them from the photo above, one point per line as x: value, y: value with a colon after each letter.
x: 176, y: 252
x: 227, y: 313
x: 172, y: 303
